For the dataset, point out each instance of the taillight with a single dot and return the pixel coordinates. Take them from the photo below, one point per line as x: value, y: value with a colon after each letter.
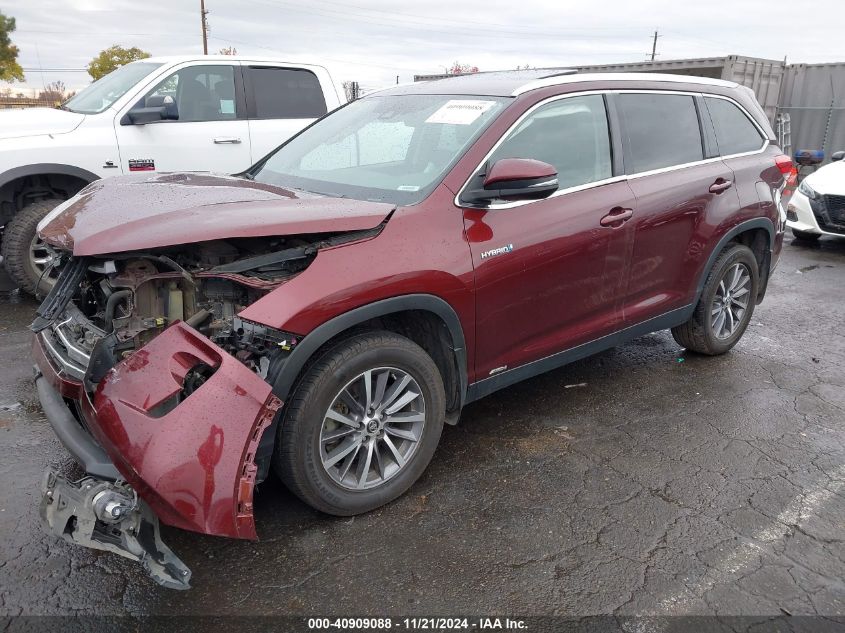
x: 787, y: 168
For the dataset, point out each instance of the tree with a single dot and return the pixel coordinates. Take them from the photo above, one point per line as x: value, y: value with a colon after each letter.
x: 461, y: 69
x: 114, y: 57
x: 54, y: 92
x: 10, y: 69
x: 229, y: 50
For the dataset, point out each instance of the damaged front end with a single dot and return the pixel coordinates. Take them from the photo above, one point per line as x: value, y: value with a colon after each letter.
x: 109, y: 516
x: 162, y: 392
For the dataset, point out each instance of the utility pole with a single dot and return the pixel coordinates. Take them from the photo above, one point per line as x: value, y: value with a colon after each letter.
x: 654, y: 46
x: 203, y: 14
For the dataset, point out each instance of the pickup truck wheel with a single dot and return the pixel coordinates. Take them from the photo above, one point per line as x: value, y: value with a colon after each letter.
x: 726, y: 304
x: 25, y: 257
x: 806, y: 237
x: 362, y: 425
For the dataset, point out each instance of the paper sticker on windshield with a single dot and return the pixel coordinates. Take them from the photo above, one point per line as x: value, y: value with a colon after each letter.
x: 460, y: 111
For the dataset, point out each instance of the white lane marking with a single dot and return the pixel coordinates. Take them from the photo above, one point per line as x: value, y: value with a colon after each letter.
x: 803, y: 507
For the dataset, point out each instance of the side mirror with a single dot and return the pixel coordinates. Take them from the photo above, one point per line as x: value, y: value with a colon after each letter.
x: 516, y: 179
x: 837, y: 155
x: 155, y: 108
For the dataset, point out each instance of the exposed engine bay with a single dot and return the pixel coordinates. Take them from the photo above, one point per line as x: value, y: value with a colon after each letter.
x: 103, y: 309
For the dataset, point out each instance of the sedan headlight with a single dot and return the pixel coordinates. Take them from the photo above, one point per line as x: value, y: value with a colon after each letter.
x: 808, y: 191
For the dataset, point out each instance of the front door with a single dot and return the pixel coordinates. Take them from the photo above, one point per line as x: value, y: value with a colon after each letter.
x: 549, y: 273
x: 210, y: 134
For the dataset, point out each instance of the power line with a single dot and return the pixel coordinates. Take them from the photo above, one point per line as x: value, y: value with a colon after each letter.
x: 463, y: 29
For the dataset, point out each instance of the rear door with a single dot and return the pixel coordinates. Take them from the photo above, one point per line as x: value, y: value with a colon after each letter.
x: 280, y: 102
x: 739, y: 142
x: 683, y: 190
x: 549, y: 272
x: 210, y: 134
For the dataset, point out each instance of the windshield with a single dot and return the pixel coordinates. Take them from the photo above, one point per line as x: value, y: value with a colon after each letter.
x: 105, y: 91
x: 392, y: 148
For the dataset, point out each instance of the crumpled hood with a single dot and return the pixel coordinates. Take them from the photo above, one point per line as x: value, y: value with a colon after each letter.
x: 129, y: 213
x: 34, y: 121
x: 830, y: 179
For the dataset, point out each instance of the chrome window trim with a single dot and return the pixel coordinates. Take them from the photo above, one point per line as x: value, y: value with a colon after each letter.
x: 614, y: 179
x: 748, y: 116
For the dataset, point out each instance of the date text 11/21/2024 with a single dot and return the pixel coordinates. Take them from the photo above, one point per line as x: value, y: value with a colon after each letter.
x: 417, y: 623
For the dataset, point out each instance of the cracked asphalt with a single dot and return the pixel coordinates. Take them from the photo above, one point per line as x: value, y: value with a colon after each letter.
x: 640, y: 481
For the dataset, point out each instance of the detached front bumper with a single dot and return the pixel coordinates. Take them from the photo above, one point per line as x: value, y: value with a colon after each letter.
x: 189, y: 455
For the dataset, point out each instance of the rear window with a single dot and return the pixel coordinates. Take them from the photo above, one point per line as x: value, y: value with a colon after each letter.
x: 284, y: 93
x: 735, y: 133
x: 662, y: 131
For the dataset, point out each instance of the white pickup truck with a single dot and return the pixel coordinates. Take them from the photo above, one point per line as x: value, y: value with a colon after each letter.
x: 203, y: 113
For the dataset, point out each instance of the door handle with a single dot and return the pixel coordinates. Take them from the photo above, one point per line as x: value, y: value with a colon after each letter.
x: 721, y: 185
x: 617, y: 217
x: 227, y: 140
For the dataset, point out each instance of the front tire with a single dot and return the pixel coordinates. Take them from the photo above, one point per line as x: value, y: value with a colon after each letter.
x: 804, y: 236
x: 726, y: 304
x: 25, y: 257
x: 362, y: 424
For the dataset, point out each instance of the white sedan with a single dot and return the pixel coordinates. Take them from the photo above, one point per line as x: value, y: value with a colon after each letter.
x: 818, y: 207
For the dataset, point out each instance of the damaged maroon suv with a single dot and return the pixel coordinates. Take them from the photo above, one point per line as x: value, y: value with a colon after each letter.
x: 323, y: 314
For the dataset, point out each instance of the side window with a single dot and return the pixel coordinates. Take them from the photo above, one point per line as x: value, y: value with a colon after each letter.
x: 735, y: 133
x: 571, y: 134
x: 662, y: 130
x: 284, y: 93
x: 202, y: 93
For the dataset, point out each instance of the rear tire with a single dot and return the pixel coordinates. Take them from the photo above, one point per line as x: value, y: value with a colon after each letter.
x: 19, y: 239
x: 804, y: 236
x: 718, y: 322
x: 312, y: 434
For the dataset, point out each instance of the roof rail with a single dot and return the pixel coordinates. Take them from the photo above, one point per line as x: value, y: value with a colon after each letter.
x: 572, y: 77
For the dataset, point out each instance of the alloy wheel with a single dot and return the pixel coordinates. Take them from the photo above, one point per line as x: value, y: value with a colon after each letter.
x: 730, y: 302
x: 42, y: 258
x: 372, y: 428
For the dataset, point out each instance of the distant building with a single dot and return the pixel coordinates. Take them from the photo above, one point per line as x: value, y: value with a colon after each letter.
x: 799, y: 99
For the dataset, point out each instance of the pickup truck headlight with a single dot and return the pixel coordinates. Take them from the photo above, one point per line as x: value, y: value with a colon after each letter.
x: 808, y: 191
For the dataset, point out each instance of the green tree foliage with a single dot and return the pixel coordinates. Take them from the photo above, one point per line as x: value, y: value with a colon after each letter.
x: 114, y: 57
x: 10, y: 69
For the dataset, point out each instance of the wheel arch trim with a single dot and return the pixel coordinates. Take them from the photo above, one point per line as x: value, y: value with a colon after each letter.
x: 742, y: 227
x: 44, y: 169
x: 315, y: 339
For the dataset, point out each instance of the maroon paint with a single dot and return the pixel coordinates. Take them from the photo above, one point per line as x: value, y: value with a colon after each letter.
x: 560, y: 285
x: 194, y: 464
x: 518, y: 169
x: 128, y: 213
x: 569, y: 279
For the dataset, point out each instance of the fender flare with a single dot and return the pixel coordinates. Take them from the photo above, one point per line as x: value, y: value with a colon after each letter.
x: 315, y: 339
x: 38, y: 169
x: 755, y: 223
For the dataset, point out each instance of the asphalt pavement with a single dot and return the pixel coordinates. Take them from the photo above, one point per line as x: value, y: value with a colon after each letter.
x: 644, y: 480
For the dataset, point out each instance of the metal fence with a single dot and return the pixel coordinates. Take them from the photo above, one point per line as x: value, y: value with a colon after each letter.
x: 7, y: 103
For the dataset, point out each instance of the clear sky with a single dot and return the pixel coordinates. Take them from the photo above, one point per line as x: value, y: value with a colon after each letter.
x: 373, y: 41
